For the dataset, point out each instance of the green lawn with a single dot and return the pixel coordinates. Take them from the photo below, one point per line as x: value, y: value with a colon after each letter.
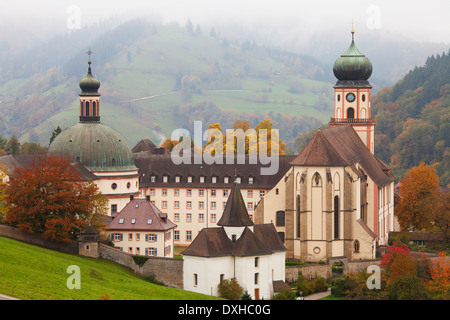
x: 33, y: 273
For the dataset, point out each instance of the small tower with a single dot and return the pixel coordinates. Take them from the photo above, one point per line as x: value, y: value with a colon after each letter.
x: 88, y: 242
x: 352, y: 94
x: 89, y: 97
x: 235, y: 216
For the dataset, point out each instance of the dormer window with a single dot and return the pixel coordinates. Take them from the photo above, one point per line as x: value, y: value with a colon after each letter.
x: 238, y: 179
x: 189, y: 179
x: 202, y: 179
x: 250, y: 180
x: 226, y: 179
x: 165, y: 179
x: 133, y: 221
x: 149, y: 221
x: 153, y: 179
x: 214, y: 179
x: 121, y: 220
x: 177, y: 179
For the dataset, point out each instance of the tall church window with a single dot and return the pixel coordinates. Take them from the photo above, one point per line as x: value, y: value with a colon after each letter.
x: 336, y: 217
x: 87, y: 108
x: 298, y: 216
x: 94, y: 108
x: 356, y: 246
x: 280, y: 218
x: 350, y: 113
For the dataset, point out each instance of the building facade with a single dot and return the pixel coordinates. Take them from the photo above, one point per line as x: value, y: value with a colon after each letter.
x: 337, y: 199
x: 140, y: 228
x: 236, y: 248
x: 194, y: 196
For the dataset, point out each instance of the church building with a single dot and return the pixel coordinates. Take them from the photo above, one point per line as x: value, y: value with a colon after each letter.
x: 99, y: 148
x: 337, y: 199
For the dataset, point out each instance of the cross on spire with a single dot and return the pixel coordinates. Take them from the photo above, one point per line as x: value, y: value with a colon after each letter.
x: 89, y: 54
x: 353, y: 29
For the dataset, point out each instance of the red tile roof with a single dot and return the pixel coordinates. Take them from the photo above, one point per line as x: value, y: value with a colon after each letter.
x: 147, y: 217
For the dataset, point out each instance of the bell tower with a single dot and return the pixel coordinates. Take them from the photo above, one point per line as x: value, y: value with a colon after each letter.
x: 352, y: 94
x: 89, y: 97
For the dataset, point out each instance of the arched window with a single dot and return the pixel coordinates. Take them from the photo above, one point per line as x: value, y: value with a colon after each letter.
x: 94, y: 108
x: 298, y: 216
x: 336, y: 217
x: 87, y: 108
x: 317, y: 180
x: 350, y: 113
x: 356, y: 246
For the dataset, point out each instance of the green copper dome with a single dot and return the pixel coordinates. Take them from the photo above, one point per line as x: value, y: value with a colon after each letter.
x: 352, y: 65
x: 96, y: 146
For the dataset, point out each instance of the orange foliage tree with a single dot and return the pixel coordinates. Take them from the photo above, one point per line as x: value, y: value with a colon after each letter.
x: 417, y: 196
x: 439, y: 281
x: 50, y: 198
x: 398, y: 262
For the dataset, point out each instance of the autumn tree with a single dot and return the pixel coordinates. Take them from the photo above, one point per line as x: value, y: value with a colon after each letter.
x: 257, y: 141
x: 439, y: 281
x: 50, y: 198
x: 417, y: 196
x: 3, y: 180
x: 169, y: 144
x: 398, y: 262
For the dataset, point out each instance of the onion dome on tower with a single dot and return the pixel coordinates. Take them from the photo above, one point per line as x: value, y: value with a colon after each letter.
x: 96, y: 146
x: 352, y: 67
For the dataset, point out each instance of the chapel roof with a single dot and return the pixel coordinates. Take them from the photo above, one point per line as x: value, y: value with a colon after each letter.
x: 341, y: 146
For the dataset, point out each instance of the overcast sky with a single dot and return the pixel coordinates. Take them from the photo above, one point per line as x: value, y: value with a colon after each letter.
x: 415, y: 19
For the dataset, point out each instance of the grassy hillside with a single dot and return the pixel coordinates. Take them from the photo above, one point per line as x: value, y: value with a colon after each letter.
x: 146, y: 78
x: 33, y: 273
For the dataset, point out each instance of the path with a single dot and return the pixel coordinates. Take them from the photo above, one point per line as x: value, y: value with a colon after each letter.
x: 318, y: 296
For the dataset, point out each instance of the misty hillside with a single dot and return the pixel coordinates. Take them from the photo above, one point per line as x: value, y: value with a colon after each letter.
x: 159, y: 78
x: 413, y: 119
x: 156, y: 78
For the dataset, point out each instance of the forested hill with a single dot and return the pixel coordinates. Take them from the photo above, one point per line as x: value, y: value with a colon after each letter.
x: 413, y: 119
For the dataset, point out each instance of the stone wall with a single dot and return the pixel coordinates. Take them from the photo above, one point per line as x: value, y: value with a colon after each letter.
x: 167, y: 270
x: 38, y: 240
x: 312, y: 271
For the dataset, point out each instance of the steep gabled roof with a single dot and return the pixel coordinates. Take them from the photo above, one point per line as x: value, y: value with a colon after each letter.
x: 269, y: 236
x: 249, y: 245
x: 142, y: 211
x: 341, y: 146
x: 214, y: 242
x: 235, y: 213
x: 319, y: 151
x: 145, y: 145
x: 210, y: 242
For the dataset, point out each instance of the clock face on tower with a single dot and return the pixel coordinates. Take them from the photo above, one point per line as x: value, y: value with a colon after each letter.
x: 350, y: 97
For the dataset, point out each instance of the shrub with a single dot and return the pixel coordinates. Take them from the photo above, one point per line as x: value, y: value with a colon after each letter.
x: 407, y: 287
x: 285, y: 294
x: 351, y: 286
x: 230, y: 289
x: 246, y: 296
x: 303, y: 286
x: 319, y: 284
x: 140, y: 260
